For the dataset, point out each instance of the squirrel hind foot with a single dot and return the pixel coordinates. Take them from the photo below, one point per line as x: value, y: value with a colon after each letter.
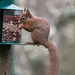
x: 29, y: 43
x: 32, y: 43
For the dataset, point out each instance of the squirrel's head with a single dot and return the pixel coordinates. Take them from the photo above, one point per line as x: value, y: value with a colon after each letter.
x: 25, y: 16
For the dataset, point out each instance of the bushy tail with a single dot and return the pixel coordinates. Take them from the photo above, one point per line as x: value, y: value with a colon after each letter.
x: 54, y: 58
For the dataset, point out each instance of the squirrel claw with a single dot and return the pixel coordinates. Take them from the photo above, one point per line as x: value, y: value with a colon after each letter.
x: 38, y: 45
x: 27, y: 43
x: 31, y: 43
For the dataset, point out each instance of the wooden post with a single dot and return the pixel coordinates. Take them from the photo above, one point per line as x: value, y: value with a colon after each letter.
x: 6, y: 59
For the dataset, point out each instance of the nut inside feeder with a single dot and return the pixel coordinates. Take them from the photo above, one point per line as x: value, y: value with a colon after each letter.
x: 9, y: 15
x: 11, y: 32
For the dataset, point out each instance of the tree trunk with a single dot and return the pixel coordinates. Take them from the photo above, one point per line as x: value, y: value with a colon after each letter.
x: 6, y: 59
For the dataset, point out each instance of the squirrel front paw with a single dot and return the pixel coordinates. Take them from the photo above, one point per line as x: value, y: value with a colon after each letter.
x: 32, y: 43
x: 20, y: 26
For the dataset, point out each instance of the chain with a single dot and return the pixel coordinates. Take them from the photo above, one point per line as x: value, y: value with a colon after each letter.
x: 6, y: 65
x: 14, y: 62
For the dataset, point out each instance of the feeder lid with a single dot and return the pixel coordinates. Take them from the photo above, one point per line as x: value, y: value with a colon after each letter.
x: 8, y: 4
x: 12, y: 7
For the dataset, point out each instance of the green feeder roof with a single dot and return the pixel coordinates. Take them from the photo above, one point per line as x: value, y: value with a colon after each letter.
x: 8, y: 4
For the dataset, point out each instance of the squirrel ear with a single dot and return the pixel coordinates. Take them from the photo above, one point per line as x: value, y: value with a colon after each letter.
x: 29, y: 14
x: 25, y: 9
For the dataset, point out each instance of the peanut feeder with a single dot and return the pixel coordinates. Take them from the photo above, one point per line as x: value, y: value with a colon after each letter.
x: 9, y: 15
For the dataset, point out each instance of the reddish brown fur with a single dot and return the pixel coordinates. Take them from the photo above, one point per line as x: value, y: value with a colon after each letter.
x: 40, y: 29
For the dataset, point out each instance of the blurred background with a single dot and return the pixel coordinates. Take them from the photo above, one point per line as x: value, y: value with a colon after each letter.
x: 34, y: 60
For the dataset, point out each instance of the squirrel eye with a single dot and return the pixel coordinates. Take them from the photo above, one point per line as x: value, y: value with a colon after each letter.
x: 23, y: 18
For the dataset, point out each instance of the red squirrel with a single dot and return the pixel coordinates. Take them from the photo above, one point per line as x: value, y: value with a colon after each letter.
x: 40, y: 29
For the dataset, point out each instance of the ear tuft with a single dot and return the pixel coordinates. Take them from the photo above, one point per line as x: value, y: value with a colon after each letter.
x: 25, y: 9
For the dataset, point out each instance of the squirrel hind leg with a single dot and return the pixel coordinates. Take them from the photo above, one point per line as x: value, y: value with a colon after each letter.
x: 32, y: 43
